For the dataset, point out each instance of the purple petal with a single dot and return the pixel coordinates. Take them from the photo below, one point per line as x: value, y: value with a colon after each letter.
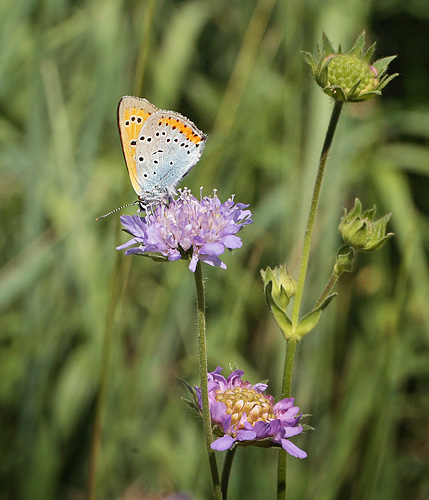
x: 276, y: 429
x: 193, y: 263
x: 293, y: 449
x: 292, y: 431
x: 262, y: 429
x: 134, y: 251
x: 284, y: 404
x: 133, y: 241
x: 212, y: 261
x: 133, y: 224
x: 235, y: 378
x: 174, y: 255
x: 232, y: 242
x: 219, y: 415
x: 246, y: 435
x: 215, y: 249
x: 223, y: 443
x: 260, y: 387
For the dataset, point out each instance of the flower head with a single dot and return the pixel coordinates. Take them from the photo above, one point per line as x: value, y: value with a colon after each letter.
x: 243, y: 414
x: 349, y: 76
x: 188, y: 228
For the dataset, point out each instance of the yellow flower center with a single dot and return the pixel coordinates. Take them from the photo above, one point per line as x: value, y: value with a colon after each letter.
x: 243, y: 400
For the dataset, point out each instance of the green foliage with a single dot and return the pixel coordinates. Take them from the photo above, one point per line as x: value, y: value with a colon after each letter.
x: 235, y: 69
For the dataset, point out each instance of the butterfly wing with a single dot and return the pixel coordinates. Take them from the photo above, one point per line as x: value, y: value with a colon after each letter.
x: 132, y: 114
x: 168, y: 146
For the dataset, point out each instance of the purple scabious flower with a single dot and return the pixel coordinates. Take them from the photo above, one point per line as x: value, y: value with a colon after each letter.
x: 188, y: 228
x: 242, y: 413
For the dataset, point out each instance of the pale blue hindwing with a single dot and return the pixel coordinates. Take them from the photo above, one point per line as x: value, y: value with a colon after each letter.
x: 164, y: 155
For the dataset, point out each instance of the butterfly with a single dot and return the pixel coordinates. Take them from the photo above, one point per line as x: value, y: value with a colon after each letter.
x: 160, y: 148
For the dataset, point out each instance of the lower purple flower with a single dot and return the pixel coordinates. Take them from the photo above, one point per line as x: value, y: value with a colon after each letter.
x: 243, y: 413
x: 188, y: 228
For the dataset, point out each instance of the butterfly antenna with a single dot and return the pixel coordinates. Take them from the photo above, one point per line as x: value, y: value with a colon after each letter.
x: 117, y: 210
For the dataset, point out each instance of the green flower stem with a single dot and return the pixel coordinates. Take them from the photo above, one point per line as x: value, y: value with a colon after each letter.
x: 286, y: 391
x: 288, y: 369
x: 227, y: 466
x: 303, y: 267
x: 338, y: 106
x: 202, y: 359
x: 327, y: 290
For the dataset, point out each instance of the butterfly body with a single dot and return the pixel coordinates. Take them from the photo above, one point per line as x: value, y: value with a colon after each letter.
x: 160, y: 147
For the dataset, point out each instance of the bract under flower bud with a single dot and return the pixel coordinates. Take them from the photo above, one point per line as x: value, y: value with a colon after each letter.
x: 349, y: 76
x: 362, y: 231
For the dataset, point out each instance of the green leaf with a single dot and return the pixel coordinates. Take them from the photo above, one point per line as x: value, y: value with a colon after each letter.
x: 310, y: 320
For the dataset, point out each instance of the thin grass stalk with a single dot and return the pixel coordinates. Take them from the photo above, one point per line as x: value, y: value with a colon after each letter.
x: 144, y: 48
x: 102, y: 388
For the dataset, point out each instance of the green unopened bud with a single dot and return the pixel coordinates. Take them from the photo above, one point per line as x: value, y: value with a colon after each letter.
x: 349, y: 76
x: 362, y: 231
x: 283, y: 285
x: 345, y: 260
x: 279, y: 288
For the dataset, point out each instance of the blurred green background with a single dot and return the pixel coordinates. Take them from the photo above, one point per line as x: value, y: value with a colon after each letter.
x: 235, y: 69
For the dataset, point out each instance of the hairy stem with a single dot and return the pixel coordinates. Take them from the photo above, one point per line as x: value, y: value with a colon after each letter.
x: 202, y: 359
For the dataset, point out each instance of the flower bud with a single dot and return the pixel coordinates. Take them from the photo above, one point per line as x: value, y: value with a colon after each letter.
x: 345, y: 262
x: 362, y: 231
x: 349, y: 76
x: 283, y: 285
